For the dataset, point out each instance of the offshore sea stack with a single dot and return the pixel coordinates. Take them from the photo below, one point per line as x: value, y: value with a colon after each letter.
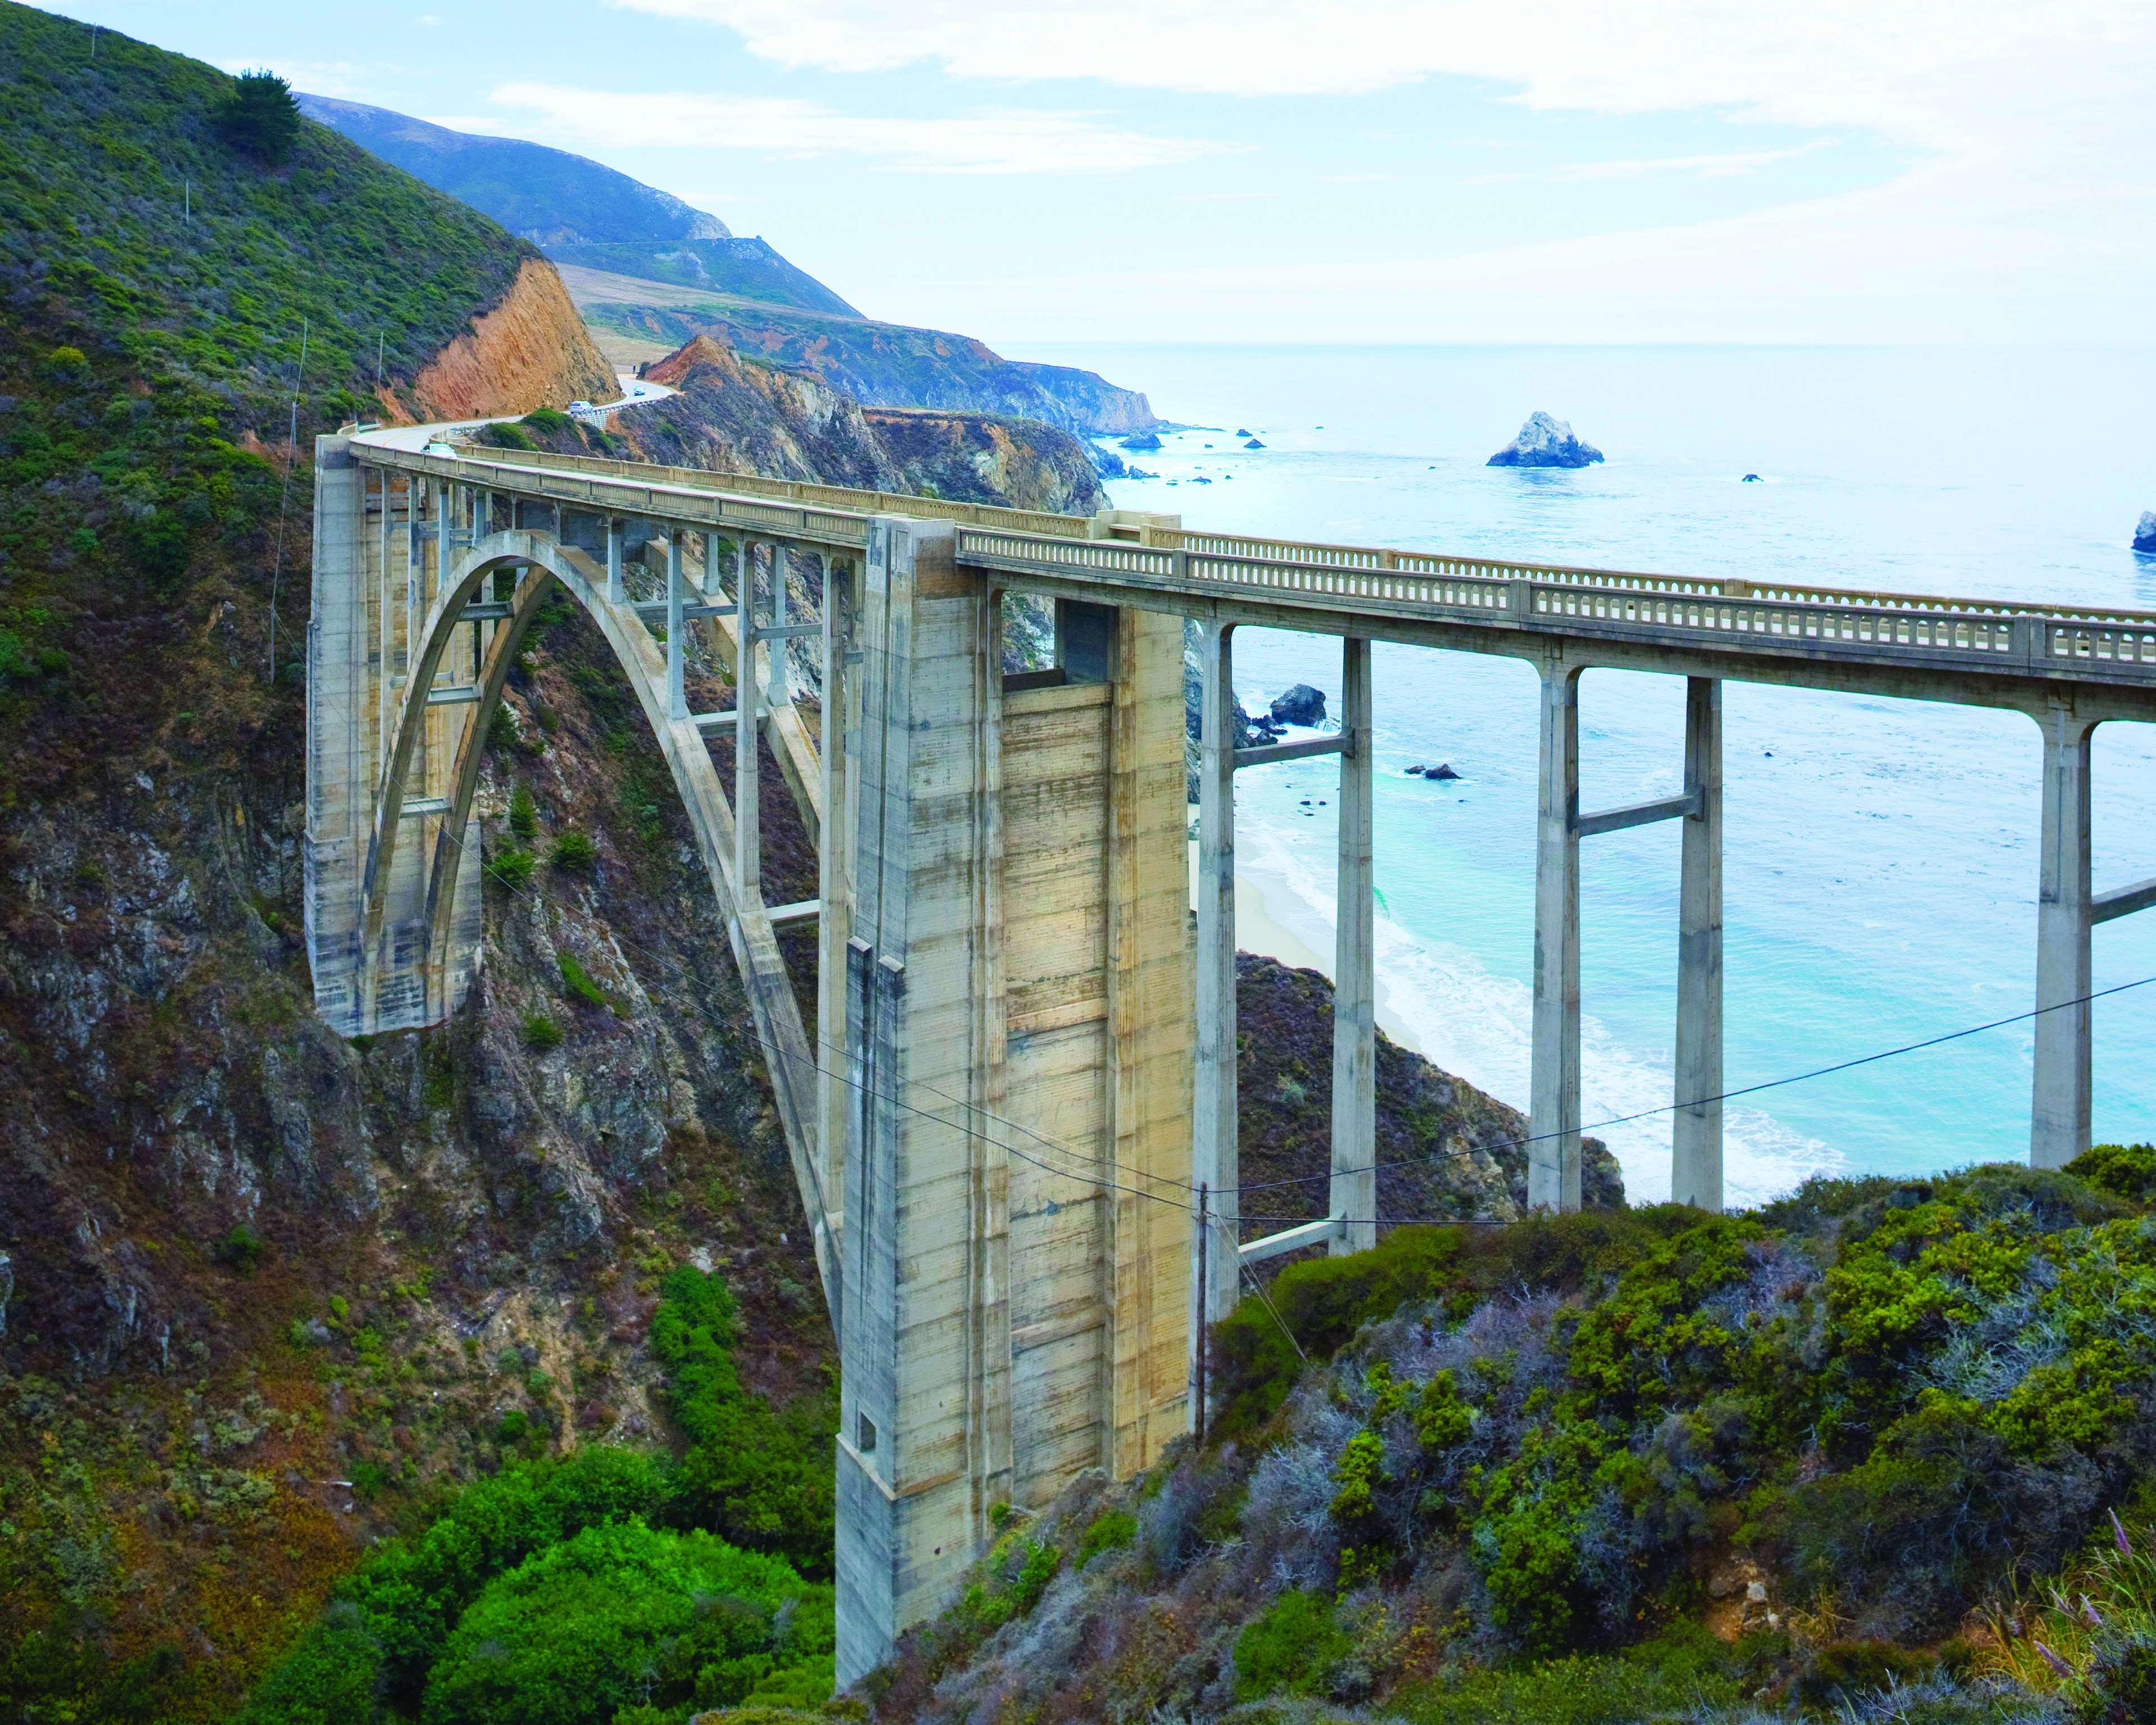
x: 1544, y: 442
x: 2144, y: 533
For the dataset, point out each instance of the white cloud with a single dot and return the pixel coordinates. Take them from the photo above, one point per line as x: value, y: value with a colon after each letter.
x: 1724, y: 166
x: 1004, y: 141
x: 1824, y: 62
x: 2028, y: 211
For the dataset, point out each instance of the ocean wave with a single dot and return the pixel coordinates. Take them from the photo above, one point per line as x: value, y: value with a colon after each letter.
x: 1466, y: 1020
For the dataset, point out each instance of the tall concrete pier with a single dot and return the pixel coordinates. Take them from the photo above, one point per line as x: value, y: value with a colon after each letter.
x: 1014, y: 1126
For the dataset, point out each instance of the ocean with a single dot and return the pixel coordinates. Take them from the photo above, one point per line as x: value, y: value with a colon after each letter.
x: 1881, y: 866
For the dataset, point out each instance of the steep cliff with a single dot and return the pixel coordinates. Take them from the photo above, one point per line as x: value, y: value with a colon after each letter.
x: 735, y: 413
x: 262, y: 1292
x: 531, y: 351
x: 889, y: 364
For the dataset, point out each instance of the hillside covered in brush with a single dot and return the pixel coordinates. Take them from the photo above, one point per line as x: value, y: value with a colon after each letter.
x: 271, y: 1302
x: 1881, y: 1451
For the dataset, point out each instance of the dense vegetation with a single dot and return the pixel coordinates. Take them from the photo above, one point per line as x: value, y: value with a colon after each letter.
x: 1639, y: 1466
x: 595, y: 1587
x: 174, y: 238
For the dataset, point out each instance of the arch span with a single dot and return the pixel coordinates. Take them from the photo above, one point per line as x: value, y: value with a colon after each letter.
x: 543, y: 563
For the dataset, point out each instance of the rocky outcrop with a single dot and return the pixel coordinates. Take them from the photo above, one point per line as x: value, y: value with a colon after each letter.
x: 1302, y: 705
x: 2144, y: 533
x: 1445, y: 1150
x: 884, y: 364
x: 1544, y: 442
x: 531, y: 351
x: 734, y: 412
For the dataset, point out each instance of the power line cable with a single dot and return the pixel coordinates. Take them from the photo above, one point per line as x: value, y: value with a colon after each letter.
x: 1100, y: 1162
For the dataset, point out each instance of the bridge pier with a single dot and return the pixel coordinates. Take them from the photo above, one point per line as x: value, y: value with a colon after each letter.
x: 1695, y: 1127
x: 1215, y: 1160
x: 1017, y: 1048
x: 1553, y: 1150
x: 2062, y: 1088
x: 1554, y: 1081
x: 1353, y: 1192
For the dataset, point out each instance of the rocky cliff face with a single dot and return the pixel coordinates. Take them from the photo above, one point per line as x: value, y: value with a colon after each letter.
x: 734, y: 412
x: 1446, y: 1152
x: 530, y: 351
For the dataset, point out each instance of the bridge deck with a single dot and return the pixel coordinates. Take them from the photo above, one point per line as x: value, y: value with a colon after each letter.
x: 1989, y: 652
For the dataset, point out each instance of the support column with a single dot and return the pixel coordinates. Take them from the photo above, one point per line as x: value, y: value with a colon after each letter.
x: 910, y: 1512
x: 2060, y: 1110
x: 1696, y: 1129
x: 1215, y: 1160
x: 837, y: 740
x: 1354, y: 1188
x: 615, y: 595
x: 749, y: 845
x: 677, y: 700
x: 1554, y: 1117
x: 775, y: 654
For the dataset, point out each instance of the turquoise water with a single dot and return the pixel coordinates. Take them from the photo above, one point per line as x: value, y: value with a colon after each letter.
x: 1881, y: 864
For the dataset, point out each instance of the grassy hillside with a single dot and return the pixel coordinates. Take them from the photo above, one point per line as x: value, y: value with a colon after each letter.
x: 1881, y: 1451
x: 546, y: 195
x: 157, y: 285
x: 263, y: 1294
x: 581, y: 210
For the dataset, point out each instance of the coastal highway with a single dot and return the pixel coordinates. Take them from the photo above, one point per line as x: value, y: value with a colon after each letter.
x: 635, y: 392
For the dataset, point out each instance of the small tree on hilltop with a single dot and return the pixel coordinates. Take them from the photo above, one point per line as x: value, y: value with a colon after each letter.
x: 260, y: 116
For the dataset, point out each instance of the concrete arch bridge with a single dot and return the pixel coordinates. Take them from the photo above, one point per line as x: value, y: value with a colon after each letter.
x: 1022, y: 1073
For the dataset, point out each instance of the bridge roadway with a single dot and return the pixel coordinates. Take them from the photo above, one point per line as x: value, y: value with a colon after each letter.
x: 1005, y: 1315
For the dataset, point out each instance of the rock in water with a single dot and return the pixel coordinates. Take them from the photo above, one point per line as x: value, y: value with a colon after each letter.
x: 1442, y: 770
x: 1145, y: 440
x: 2144, y: 535
x: 1751, y: 479
x: 1252, y: 443
x: 1302, y: 705
x: 1544, y: 442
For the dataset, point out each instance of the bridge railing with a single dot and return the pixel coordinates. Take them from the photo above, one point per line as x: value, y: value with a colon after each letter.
x: 1934, y: 630
x: 1918, y: 629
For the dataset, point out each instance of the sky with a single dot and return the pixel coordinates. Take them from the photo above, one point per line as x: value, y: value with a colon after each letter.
x: 1415, y: 170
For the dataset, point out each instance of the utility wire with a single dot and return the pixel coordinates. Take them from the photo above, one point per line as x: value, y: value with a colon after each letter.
x: 1109, y: 1183
x: 1100, y: 1162
x: 1884, y: 1053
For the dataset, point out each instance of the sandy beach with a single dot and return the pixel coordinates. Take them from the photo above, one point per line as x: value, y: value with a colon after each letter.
x: 1265, y: 908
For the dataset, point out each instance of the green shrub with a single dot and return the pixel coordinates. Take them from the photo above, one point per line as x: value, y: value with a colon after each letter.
x: 523, y: 812
x: 512, y: 868
x: 541, y: 1032
x: 575, y: 850
x: 1111, y: 1530
x: 760, y: 1477
x: 2127, y: 1171
x: 259, y: 117
x: 1290, y: 1648
x: 1844, y: 1672
x: 241, y: 1249
x: 619, y: 1615
x: 579, y: 982
x: 1675, y: 1677
x: 1322, y: 1302
x: 502, y: 734
x: 331, y: 1678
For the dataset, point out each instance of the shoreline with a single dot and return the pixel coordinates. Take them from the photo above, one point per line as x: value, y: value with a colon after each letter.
x: 1261, y: 927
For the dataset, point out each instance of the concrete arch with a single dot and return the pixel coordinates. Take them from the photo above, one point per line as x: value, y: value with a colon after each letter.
x: 789, y: 1056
